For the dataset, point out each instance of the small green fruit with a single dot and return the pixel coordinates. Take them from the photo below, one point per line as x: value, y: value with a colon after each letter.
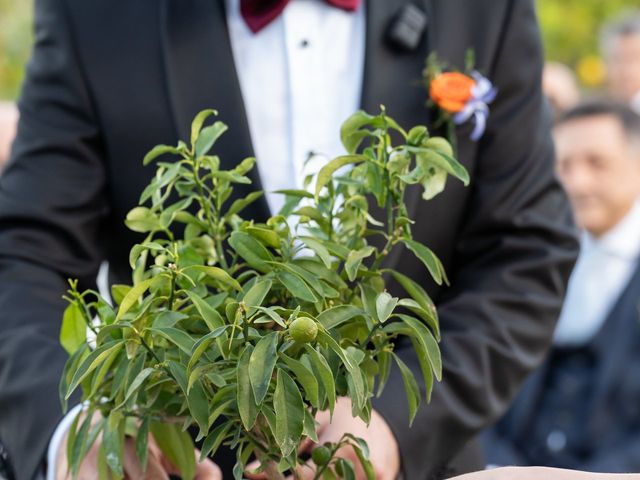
x: 303, y: 330
x: 321, y: 455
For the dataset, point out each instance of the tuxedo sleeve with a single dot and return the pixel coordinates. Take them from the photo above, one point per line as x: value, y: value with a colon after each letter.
x: 513, y: 256
x: 52, y: 213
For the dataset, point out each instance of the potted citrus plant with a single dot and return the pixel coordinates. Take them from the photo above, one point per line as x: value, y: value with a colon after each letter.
x: 246, y: 330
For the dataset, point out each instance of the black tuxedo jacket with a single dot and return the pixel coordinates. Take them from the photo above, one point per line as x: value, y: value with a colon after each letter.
x: 109, y: 79
x: 587, y: 397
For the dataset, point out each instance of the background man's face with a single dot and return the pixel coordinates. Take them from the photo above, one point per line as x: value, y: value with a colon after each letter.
x: 600, y: 169
x: 623, y: 67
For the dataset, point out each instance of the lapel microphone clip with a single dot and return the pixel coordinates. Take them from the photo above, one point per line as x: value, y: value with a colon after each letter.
x: 407, y: 28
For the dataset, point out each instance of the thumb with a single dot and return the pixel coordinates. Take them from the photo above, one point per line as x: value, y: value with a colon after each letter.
x: 207, y: 470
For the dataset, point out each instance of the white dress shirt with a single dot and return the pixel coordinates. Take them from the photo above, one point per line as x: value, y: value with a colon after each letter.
x: 603, y: 270
x: 300, y: 77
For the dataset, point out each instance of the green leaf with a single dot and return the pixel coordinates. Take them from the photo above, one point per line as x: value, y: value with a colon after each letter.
x: 70, y: 368
x: 179, y: 374
x: 91, y: 362
x: 411, y: 388
x: 425, y: 367
x: 177, y: 446
x: 351, y: 134
x: 198, y: 121
x: 133, y: 296
x: 142, y: 220
x: 203, y: 343
x: 73, y: 333
x: 179, y: 338
x: 142, y: 443
x: 273, y: 315
x: 76, y: 441
x: 214, y: 440
x: 170, y: 212
x: 309, y: 429
x: 118, y: 292
x: 385, y: 304
x: 324, y: 373
x: 326, y: 173
x: 296, y: 286
x: 336, y: 316
x: 294, y: 193
x: 430, y: 344
x: 209, y: 314
x: 208, y: 136
x: 217, y: 274
x: 246, y: 401
x: 305, y: 377
x: 136, y: 384
x: 350, y: 365
x: 265, y: 235
x: 345, y: 469
x: 428, y: 258
x: 251, y: 250
x: 238, y: 205
x: 113, y: 441
x: 319, y: 249
x: 289, y: 410
x: 261, y: 365
x: 156, y: 151
x: 433, y: 182
x: 354, y: 259
x: 199, y: 407
x: 168, y: 319
x: 418, y: 293
x: 439, y: 159
x: 257, y: 293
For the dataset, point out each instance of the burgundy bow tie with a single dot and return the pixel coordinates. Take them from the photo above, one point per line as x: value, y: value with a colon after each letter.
x: 259, y: 13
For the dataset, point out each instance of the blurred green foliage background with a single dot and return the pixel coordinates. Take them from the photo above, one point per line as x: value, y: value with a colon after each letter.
x: 570, y: 29
x: 15, y: 44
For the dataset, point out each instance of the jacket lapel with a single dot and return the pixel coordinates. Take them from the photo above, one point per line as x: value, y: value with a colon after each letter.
x: 393, y: 78
x: 200, y: 73
x: 615, y: 339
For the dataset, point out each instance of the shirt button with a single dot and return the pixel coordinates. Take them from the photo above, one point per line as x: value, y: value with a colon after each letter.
x: 304, y: 43
x: 556, y: 441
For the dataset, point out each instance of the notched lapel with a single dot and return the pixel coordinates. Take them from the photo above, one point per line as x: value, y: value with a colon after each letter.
x: 393, y: 78
x: 200, y: 73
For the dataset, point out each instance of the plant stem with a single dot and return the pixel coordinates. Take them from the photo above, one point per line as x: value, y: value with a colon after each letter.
x: 213, y: 225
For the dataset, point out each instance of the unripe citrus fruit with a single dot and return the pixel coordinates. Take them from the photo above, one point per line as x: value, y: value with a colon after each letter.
x: 321, y: 455
x: 303, y: 330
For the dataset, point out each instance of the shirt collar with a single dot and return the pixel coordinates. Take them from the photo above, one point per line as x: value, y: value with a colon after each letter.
x: 622, y: 241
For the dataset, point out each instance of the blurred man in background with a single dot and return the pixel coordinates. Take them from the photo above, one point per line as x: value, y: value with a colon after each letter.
x: 620, y: 45
x: 560, y: 86
x: 581, y: 410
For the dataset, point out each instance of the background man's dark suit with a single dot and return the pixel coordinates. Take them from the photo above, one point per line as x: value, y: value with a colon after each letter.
x: 581, y: 409
x: 111, y: 78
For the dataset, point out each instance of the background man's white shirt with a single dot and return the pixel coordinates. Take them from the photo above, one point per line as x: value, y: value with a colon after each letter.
x: 603, y: 270
x: 300, y: 77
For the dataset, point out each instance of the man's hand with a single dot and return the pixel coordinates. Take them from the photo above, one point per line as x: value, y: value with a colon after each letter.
x: 542, y: 473
x: 383, y: 448
x: 158, y: 466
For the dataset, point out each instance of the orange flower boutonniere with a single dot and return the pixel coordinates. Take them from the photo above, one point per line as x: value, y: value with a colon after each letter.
x: 460, y: 96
